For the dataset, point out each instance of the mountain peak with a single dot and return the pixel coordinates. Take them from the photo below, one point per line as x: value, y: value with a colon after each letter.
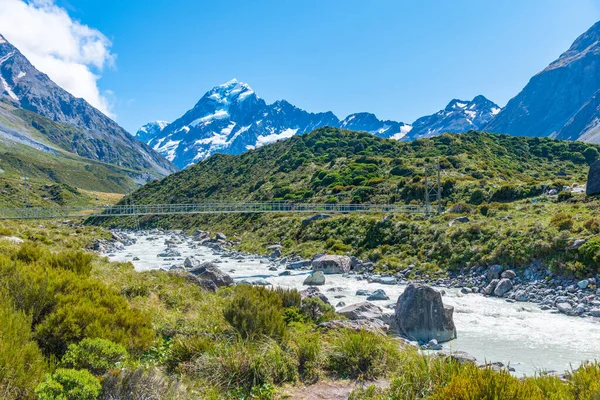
x: 230, y: 92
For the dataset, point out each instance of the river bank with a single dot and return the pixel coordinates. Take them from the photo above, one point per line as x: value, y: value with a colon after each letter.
x: 517, y: 333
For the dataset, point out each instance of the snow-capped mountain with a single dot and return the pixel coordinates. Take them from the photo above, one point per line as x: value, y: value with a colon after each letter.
x: 232, y: 119
x: 563, y: 100
x: 368, y: 122
x: 92, y: 134
x: 458, y: 116
x: 149, y: 131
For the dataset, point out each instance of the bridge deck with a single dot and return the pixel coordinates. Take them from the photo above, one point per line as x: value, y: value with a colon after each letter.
x: 203, y: 208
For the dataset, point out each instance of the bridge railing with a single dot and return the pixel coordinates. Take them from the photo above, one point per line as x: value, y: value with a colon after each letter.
x: 203, y: 208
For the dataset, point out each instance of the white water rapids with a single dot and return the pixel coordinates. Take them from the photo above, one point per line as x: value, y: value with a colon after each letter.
x: 519, y: 334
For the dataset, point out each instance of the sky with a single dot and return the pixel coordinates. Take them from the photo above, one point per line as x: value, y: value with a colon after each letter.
x: 145, y: 60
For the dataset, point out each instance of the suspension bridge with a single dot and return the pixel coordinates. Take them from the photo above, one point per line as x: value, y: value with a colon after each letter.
x: 139, y: 210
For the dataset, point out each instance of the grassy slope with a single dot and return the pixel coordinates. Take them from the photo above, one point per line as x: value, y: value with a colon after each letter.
x: 56, y: 177
x: 495, y: 179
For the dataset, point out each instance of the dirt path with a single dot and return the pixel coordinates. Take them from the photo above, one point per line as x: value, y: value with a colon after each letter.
x: 326, y: 390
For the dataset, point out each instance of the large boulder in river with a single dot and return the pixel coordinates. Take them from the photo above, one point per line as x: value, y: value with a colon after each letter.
x: 211, y: 272
x: 364, y: 310
x: 422, y: 316
x: 493, y: 272
x: 330, y: 264
x: 503, y: 287
x: 593, y: 182
x: 316, y: 278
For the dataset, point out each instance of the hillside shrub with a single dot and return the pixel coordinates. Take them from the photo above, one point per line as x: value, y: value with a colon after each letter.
x: 255, y: 312
x: 562, y: 221
x: 69, y: 384
x: 95, y: 355
x: 317, y: 310
x: 309, y: 353
x: 363, y: 355
x: 139, y: 384
x: 78, y: 261
x: 21, y: 362
x: 184, y: 349
x: 590, y: 253
x: 592, y: 225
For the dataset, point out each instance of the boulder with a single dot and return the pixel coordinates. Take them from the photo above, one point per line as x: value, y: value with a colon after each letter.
x: 503, y: 287
x: 299, y: 264
x: 363, y: 292
x: 315, y: 279
x: 565, y: 308
x: 583, y: 284
x: 465, y: 290
x: 316, y: 217
x: 459, y: 220
x: 493, y: 272
x: 422, y: 316
x: 577, y: 243
x: 364, y: 310
x: 379, y: 294
x: 331, y: 264
x: 221, y: 236
x: 190, y: 263
x: 212, y: 273
x: 459, y: 356
x: 313, y: 291
x: 593, y: 182
x: 375, y: 325
x: 508, y: 274
x: 489, y: 290
x: 12, y: 239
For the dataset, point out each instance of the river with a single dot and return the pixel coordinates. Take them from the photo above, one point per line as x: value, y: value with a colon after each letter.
x: 519, y: 334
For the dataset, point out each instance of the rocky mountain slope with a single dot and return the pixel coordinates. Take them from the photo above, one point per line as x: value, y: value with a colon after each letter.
x: 85, y: 130
x: 232, y: 119
x: 458, y: 116
x: 562, y: 100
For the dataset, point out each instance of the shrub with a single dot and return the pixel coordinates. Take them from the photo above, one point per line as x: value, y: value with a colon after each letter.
x: 592, y: 225
x: 95, y: 355
x: 29, y: 253
x: 363, y: 355
x: 477, y: 197
x: 245, y: 365
x: 256, y: 311
x: 289, y: 297
x: 564, y: 196
x: 309, y: 350
x: 137, y: 384
x: 585, y: 382
x: 460, y: 208
x: 88, y: 309
x: 317, y: 310
x: 79, y: 262
x: 562, y: 221
x: 69, y: 384
x: 21, y: 362
x: 590, y: 253
x: 185, y: 349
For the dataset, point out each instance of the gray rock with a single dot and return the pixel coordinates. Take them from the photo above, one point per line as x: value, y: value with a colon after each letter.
x: 493, y: 272
x: 363, y: 292
x: 12, y: 239
x: 332, y: 264
x: 565, y: 308
x: 340, y: 304
x: 375, y: 325
x: 379, y: 294
x: 285, y: 273
x: 221, y: 236
x: 461, y: 220
x: 212, y: 273
x: 299, y: 264
x: 364, y: 310
x: 583, y: 284
x: 313, y: 291
x: 509, y: 274
x: 272, y: 268
x: 460, y: 356
x: 595, y: 312
x: 433, y: 345
x: 489, y: 290
x: 465, y: 290
x: 422, y: 316
x: 503, y: 287
x: 316, y: 217
x: 577, y: 243
x: 315, y: 279
x: 593, y: 182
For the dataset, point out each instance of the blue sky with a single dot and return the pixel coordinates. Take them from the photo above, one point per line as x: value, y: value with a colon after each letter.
x: 397, y: 59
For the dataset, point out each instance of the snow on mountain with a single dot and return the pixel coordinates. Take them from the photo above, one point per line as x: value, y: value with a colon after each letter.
x: 368, y: 122
x: 458, y: 116
x: 232, y: 119
x: 149, y: 131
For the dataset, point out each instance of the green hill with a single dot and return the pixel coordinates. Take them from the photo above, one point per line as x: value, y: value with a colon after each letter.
x: 497, y: 180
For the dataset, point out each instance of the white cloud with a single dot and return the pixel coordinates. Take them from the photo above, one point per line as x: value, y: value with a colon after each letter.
x: 71, y: 54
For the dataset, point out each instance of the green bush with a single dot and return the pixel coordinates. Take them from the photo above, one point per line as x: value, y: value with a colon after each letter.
x: 317, y: 310
x: 255, y: 312
x: 95, y: 355
x: 592, y: 225
x: 289, y: 297
x: 138, y: 384
x: 21, y: 362
x: 363, y: 355
x: 184, y: 349
x: 309, y: 353
x: 78, y: 261
x: 562, y: 221
x: 69, y: 384
x: 564, y: 196
x: 590, y: 253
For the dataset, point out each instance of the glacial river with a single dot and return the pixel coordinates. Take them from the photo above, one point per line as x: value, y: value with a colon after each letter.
x: 519, y: 334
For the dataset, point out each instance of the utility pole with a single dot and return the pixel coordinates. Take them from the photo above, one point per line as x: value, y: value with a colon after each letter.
x: 433, y: 187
